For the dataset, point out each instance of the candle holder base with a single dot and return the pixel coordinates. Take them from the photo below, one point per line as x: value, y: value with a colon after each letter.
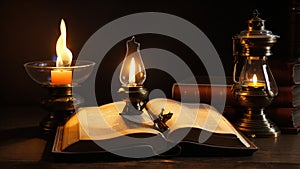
x: 60, y: 104
x: 255, y: 124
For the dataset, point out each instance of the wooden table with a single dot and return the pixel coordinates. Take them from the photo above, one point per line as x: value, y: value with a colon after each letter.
x: 23, y: 146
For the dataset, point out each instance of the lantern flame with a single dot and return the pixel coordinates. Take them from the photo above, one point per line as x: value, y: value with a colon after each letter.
x: 254, y: 80
x: 64, y: 55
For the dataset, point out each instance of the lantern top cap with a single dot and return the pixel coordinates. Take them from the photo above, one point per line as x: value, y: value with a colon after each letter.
x: 256, y: 23
x: 255, y: 14
x: 256, y: 29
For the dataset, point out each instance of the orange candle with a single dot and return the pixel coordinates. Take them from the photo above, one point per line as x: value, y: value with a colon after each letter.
x: 61, y: 77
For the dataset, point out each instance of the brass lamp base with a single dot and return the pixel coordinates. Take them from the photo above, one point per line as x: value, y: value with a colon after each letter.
x: 255, y: 124
x: 135, y: 97
x: 60, y: 104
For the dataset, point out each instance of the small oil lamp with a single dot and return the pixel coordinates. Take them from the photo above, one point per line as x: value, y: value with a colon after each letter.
x: 59, y: 77
x: 132, y: 76
x: 256, y: 87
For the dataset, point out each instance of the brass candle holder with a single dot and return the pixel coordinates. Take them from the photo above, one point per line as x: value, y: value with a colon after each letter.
x: 256, y: 87
x: 59, y: 77
x: 60, y: 101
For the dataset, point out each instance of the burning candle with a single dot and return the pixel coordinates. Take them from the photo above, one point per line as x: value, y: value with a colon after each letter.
x: 255, y: 83
x: 64, y: 59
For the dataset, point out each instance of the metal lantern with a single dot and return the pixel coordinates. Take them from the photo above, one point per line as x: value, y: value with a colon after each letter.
x: 256, y: 87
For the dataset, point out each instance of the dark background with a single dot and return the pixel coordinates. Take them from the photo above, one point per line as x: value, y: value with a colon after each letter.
x: 29, y: 31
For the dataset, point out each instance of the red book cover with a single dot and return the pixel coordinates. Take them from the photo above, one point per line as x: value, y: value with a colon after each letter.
x: 286, y: 73
x: 190, y: 93
x: 284, y: 116
x: 288, y: 96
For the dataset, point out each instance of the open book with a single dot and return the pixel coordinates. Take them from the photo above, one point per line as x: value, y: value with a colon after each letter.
x: 194, y: 129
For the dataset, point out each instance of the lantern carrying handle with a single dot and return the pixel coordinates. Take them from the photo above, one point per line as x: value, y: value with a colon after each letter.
x: 235, y: 54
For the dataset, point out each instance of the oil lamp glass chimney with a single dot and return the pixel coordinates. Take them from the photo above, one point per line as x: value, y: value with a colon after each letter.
x: 133, y: 71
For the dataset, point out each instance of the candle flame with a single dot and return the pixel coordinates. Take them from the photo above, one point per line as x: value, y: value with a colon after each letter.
x: 132, y: 72
x: 64, y: 55
x: 254, y: 80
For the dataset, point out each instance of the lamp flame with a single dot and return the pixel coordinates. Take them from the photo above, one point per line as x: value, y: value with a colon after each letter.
x: 254, y: 80
x: 64, y: 55
x: 132, y: 72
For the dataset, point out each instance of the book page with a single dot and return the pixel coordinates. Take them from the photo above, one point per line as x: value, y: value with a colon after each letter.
x: 105, y: 122
x: 188, y: 115
x: 70, y: 134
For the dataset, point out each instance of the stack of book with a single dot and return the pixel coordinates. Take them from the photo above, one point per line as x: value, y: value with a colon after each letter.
x: 284, y: 110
